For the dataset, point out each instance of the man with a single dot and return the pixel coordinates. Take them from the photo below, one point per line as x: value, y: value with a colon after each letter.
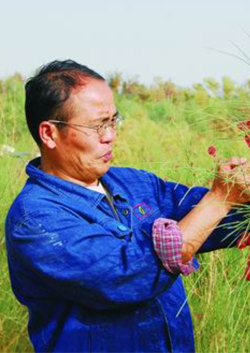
x: 86, y: 242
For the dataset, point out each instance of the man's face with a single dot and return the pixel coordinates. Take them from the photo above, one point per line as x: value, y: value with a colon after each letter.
x: 82, y: 154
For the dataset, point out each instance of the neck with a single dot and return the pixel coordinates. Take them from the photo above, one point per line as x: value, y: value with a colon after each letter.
x: 51, y: 167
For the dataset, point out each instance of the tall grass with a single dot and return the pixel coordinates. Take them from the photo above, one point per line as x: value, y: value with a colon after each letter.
x: 169, y: 137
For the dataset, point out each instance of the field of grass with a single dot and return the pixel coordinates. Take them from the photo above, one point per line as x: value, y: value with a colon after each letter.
x: 167, y: 134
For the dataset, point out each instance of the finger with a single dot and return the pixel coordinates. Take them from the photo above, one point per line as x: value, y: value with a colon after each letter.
x: 225, y: 167
x: 236, y: 161
x: 233, y: 163
x: 242, y: 170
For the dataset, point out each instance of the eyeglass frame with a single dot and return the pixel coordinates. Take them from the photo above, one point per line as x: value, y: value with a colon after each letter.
x: 113, y: 122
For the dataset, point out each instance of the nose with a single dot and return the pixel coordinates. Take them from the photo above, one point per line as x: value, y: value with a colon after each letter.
x: 109, y: 135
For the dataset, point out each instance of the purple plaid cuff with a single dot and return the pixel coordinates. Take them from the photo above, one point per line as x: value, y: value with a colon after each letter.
x: 168, y: 242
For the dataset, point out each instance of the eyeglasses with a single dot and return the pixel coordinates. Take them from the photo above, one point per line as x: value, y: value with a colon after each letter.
x: 101, y: 129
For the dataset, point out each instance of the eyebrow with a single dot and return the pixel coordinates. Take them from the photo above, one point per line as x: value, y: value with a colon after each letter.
x: 107, y: 118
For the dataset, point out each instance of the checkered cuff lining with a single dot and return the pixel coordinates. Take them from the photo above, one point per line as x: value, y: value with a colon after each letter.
x: 168, y: 242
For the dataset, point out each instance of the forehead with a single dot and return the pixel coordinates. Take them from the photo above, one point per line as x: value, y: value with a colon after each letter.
x: 94, y: 98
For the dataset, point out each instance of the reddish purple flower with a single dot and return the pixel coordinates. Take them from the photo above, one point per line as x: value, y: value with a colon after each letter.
x: 242, y: 243
x: 244, y: 125
x: 247, y: 139
x: 247, y: 272
x: 212, y: 151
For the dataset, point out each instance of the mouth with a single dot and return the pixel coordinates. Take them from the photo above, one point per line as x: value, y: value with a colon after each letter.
x: 107, y: 157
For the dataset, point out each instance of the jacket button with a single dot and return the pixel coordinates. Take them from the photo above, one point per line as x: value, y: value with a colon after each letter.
x: 125, y: 212
x: 122, y: 227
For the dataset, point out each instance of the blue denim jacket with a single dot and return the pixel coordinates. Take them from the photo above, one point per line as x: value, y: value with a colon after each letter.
x: 91, y: 282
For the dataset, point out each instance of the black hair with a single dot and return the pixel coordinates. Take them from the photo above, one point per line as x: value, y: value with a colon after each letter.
x: 48, y: 91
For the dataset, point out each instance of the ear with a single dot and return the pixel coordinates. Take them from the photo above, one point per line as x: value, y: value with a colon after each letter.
x: 48, y: 133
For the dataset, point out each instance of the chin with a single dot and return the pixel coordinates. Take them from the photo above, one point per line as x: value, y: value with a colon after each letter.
x: 104, y: 169
x: 100, y: 172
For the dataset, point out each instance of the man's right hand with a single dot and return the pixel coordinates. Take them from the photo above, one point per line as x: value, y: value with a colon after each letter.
x: 232, y: 181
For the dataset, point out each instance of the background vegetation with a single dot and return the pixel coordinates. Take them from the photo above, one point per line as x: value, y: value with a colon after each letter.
x: 167, y: 131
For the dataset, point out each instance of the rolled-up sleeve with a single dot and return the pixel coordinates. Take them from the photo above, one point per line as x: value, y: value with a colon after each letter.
x: 168, y: 243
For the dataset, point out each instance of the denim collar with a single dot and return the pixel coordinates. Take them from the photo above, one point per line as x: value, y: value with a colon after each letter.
x: 71, y: 189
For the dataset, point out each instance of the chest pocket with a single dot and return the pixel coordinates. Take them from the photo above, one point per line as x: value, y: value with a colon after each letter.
x: 144, y: 215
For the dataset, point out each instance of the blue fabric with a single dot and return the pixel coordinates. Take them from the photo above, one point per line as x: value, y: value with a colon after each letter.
x: 93, y: 283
